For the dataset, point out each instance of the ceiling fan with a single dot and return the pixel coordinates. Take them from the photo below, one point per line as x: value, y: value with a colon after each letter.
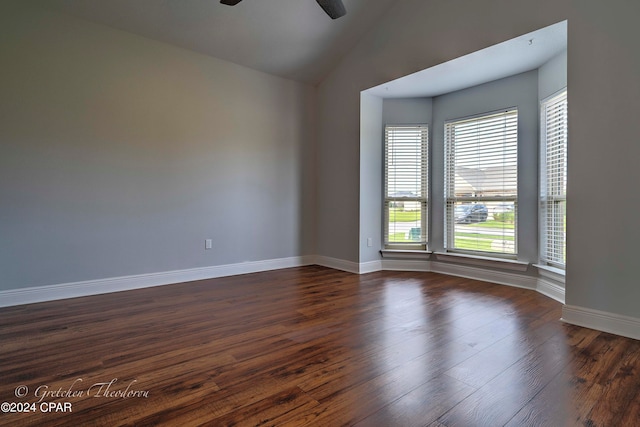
x: 334, y: 8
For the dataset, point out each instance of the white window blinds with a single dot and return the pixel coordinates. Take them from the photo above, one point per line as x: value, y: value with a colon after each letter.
x: 553, y: 181
x: 481, y: 183
x: 406, y: 187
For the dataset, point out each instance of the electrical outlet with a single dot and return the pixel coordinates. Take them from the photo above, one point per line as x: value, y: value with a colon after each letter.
x: 208, y: 243
x: 369, y: 241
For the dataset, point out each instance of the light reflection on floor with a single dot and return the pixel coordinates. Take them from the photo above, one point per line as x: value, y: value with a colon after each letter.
x: 419, y: 354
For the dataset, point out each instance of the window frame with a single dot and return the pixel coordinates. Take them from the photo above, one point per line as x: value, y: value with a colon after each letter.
x: 450, y: 200
x: 558, y: 199
x: 423, y: 243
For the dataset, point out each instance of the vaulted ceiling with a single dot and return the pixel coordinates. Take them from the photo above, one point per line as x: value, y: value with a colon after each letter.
x: 294, y: 39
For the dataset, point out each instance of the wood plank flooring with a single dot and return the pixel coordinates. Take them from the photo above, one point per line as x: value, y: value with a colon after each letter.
x: 314, y: 346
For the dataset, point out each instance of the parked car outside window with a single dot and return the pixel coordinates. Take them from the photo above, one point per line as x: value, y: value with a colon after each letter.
x: 470, y: 213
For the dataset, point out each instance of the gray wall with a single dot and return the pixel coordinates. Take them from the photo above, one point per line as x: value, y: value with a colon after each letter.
x: 604, y: 97
x: 519, y: 91
x: 120, y: 155
x: 371, y: 157
x: 407, y: 111
x: 374, y: 114
x: 552, y: 76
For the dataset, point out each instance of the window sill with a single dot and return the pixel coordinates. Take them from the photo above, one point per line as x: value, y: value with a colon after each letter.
x: 483, y: 261
x: 405, y: 254
x: 549, y: 272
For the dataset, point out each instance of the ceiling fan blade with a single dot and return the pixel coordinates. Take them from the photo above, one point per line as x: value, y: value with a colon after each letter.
x: 230, y: 2
x: 334, y: 8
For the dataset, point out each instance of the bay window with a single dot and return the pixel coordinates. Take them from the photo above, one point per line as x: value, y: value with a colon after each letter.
x: 405, y: 186
x: 553, y: 181
x: 481, y: 183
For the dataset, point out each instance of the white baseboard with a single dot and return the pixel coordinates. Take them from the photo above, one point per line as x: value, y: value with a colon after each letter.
x: 406, y: 265
x: 545, y: 287
x: 499, y: 277
x: 589, y: 318
x: 599, y: 320
x: 483, y: 261
x: 550, y: 289
x: 369, y: 267
x: 116, y: 284
x: 617, y: 324
x: 103, y: 286
x: 338, y: 264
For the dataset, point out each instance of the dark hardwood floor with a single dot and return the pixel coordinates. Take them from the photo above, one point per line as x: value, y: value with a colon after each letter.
x: 314, y: 346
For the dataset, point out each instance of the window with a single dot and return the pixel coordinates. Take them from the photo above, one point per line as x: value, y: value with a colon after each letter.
x: 481, y: 183
x: 553, y: 181
x: 405, y: 187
